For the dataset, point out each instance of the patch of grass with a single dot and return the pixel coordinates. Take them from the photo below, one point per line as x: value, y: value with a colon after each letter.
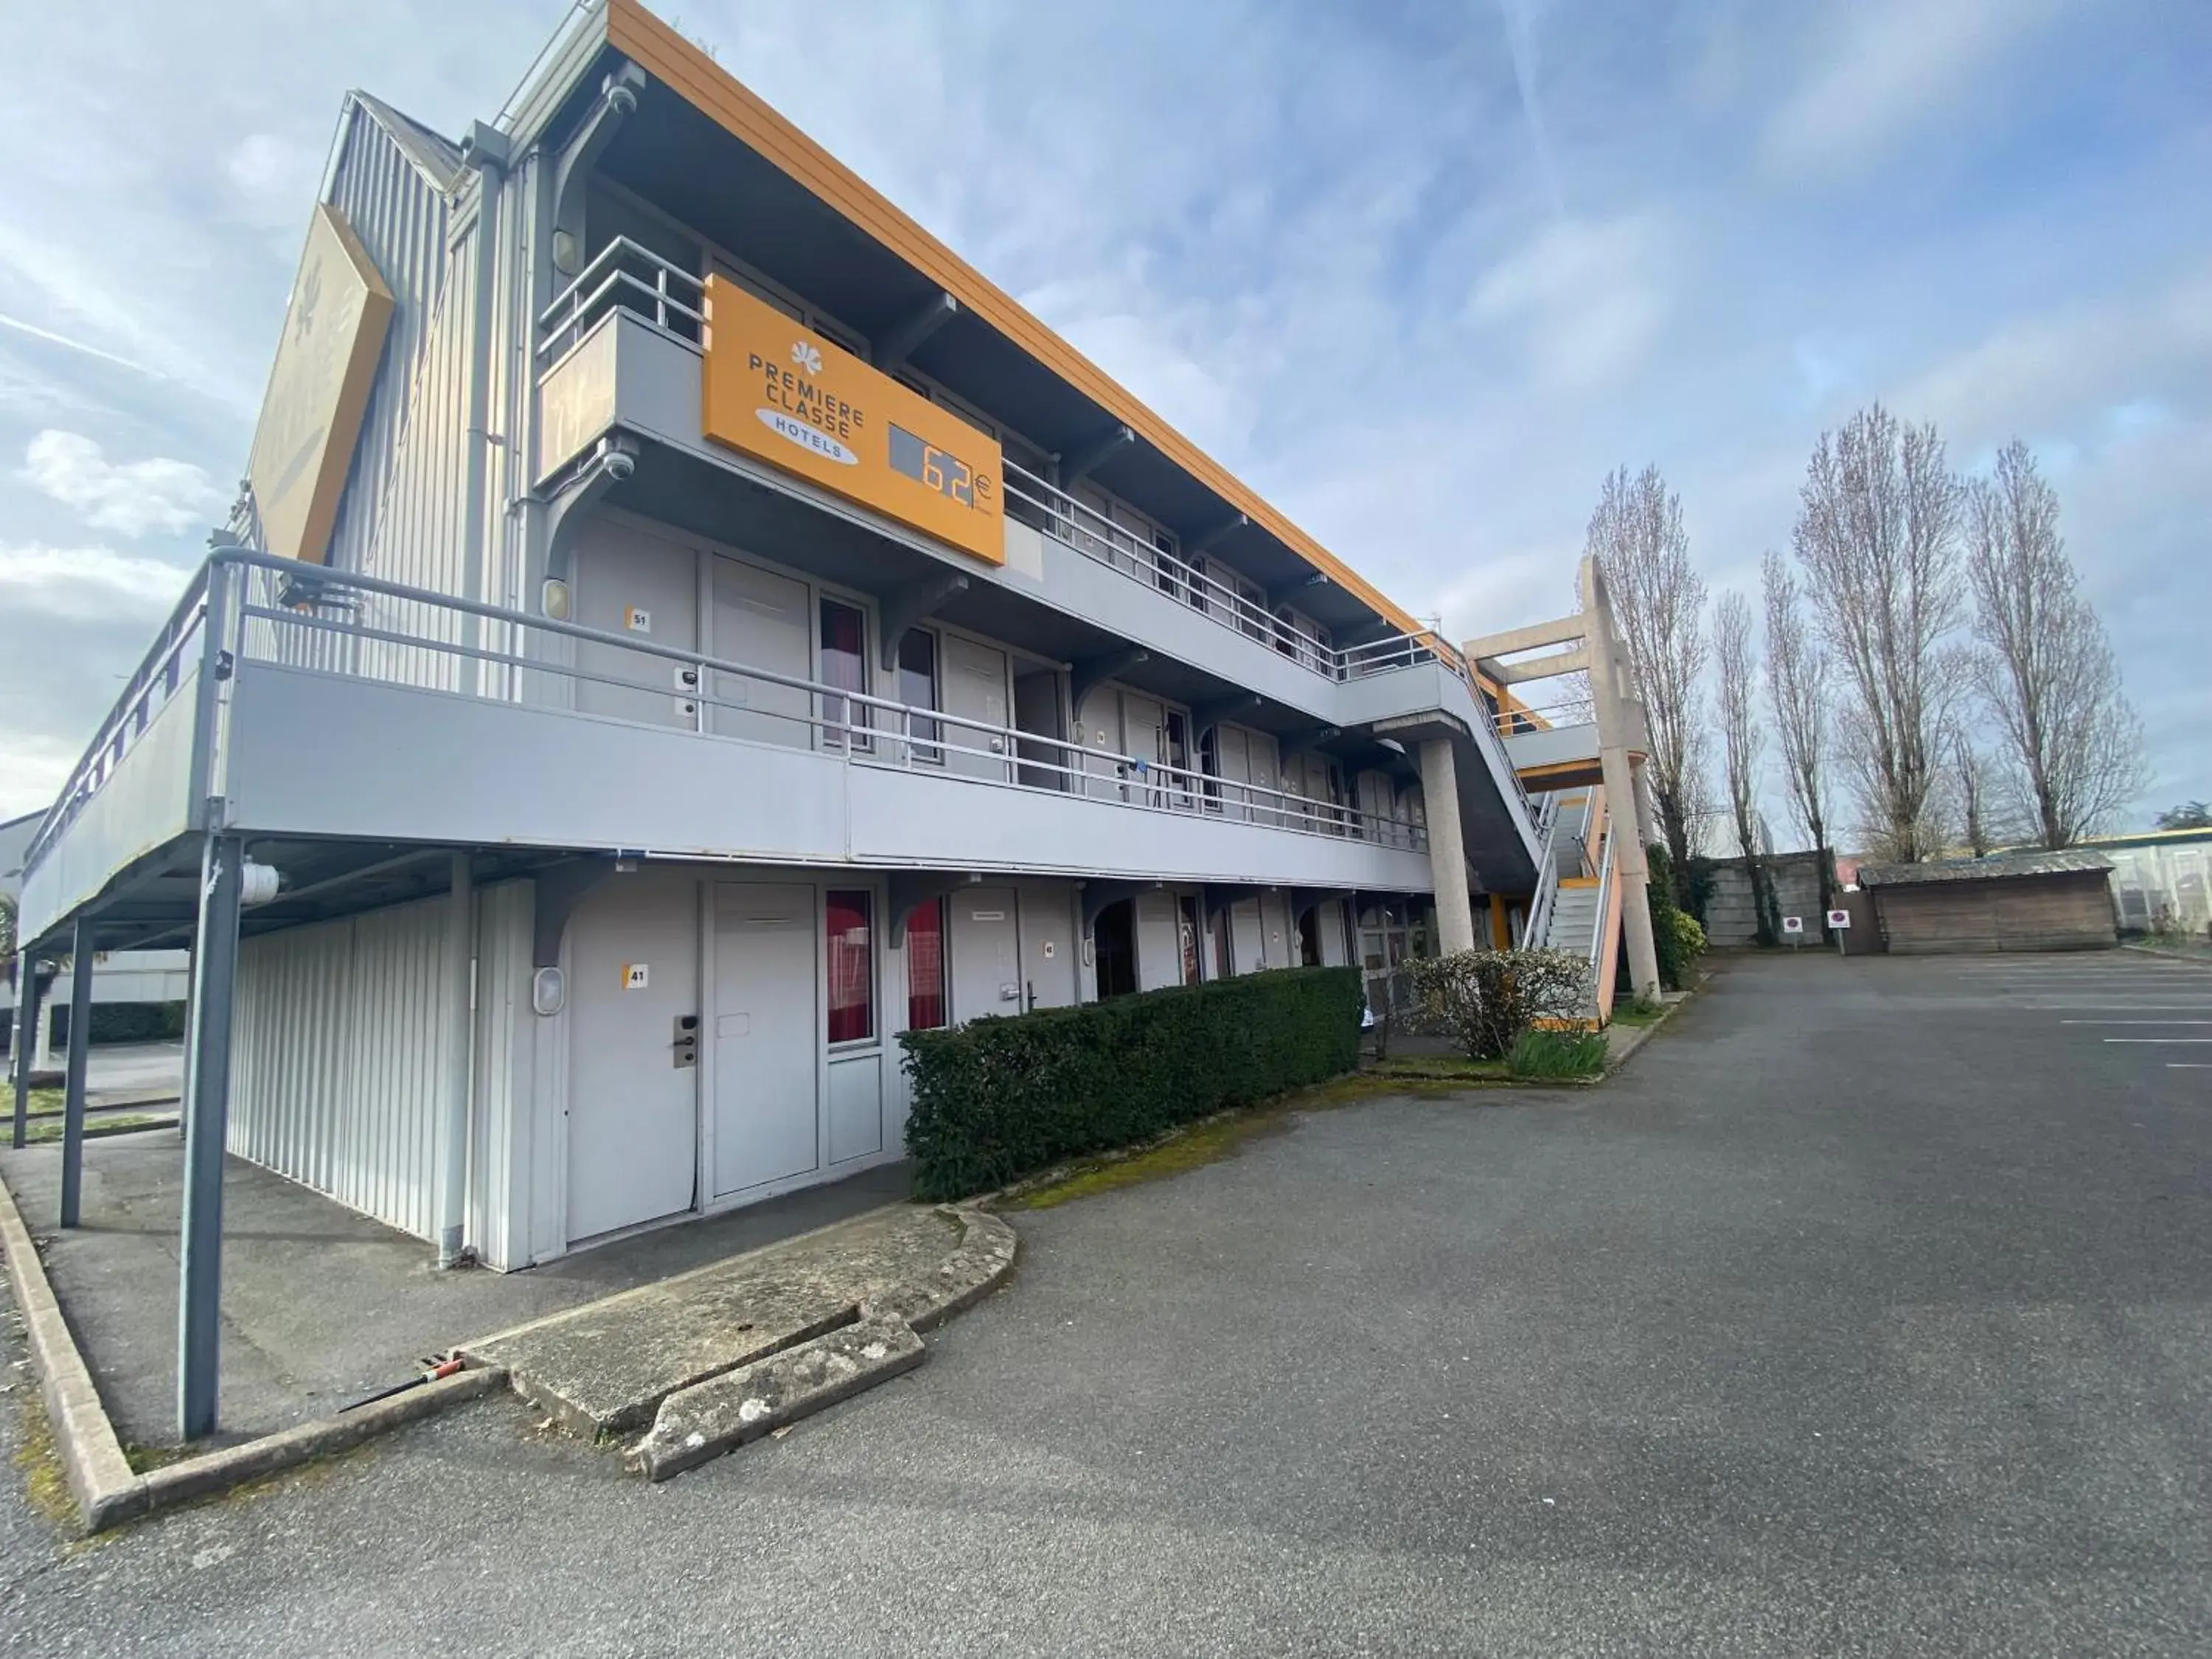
x: 44, y: 1102
x: 1205, y: 1142
x: 1638, y: 1010
x: 1443, y: 1067
x: 1226, y: 1134
x: 1558, y: 1056
x: 38, y: 1461
x: 122, y: 1123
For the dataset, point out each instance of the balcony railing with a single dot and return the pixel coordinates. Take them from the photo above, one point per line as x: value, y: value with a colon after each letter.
x: 245, y: 608
x: 626, y: 275
x: 623, y: 275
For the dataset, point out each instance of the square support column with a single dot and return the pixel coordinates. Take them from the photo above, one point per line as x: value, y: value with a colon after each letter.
x: 80, y: 1054
x: 207, y: 1092
x: 1447, y: 846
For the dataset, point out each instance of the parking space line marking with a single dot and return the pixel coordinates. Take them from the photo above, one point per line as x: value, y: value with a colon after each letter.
x: 2159, y: 1039
x: 2135, y: 1022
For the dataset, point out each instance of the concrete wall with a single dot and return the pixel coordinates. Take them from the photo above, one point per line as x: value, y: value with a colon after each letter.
x: 1730, y: 917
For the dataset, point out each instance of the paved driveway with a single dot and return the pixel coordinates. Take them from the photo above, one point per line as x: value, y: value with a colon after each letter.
x: 1866, y: 1314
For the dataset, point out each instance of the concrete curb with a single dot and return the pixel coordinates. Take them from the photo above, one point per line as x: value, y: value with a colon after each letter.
x: 1640, y: 1035
x: 978, y: 1265
x: 99, y: 1476
x: 696, y: 1425
x: 107, y: 1490
x: 2171, y: 955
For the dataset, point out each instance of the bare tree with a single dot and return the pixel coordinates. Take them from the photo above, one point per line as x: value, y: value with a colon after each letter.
x: 1797, y: 690
x: 2073, y: 749
x: 1877, y: 536
x: 1970, y: 771
x: 1735, y: 675
x: 1637, y: 537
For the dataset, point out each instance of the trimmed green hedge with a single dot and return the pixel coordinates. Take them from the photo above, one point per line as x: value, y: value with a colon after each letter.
x: 999, y: 1097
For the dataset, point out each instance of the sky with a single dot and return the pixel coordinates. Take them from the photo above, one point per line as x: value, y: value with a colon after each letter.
x: 1420, y: 273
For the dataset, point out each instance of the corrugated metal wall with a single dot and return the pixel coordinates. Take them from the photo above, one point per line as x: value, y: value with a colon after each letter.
x: 336, y: 1066
x: 399, y: 214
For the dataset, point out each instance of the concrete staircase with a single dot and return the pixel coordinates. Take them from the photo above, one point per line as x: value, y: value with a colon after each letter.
x: 1574, y: 921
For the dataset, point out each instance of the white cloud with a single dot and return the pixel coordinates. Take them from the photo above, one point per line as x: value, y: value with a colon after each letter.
x: 1586, y: 297
x: 86, y: 584
x: 131, y: 498
x: 2041, y: 371
x: 1888, y: 66
x: 33, y: 769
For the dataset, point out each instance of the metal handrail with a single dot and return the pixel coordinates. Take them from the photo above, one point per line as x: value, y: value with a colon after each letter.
x: 1546, y: 898
x: 1604, y: 897
x: 604, y: 279
x: 868, y: 728
x: 159, y: 670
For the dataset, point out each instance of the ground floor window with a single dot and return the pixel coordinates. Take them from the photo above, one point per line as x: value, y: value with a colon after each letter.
x: 1186, y: 931
x: 925, y: 967
x: 1224, y: 963
x: 849, y: 961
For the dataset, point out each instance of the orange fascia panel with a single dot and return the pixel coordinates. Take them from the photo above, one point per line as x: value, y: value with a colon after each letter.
x: 669, y: 58
x: 805, y: 405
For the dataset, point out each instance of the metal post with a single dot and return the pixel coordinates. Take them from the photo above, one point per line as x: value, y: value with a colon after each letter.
x: 26, y: 1016
x: 80, y: 1047
x: 207, y: 1080
x: 454, y: 1140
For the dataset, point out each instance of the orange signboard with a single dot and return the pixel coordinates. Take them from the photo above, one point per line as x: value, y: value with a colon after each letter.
x: 786, y: 396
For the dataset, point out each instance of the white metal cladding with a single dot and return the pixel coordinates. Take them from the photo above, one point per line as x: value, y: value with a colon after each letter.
x: 501, y: 1112
x: 398, y: 211
x: 421, y: 533
x: 336, y: 1068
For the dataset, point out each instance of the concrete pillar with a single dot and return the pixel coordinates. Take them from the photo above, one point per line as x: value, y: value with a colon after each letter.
x: 80, y: 1050
x: 207, y: 1092
x: 42, y: 1058
x: 1609, y: 693
x: 1447, y: 848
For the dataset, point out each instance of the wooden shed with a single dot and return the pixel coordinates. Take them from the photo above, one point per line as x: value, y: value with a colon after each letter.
x: 2058, y: 901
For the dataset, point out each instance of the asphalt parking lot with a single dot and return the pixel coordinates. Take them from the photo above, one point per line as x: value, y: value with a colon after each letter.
x: 1869, y: 1311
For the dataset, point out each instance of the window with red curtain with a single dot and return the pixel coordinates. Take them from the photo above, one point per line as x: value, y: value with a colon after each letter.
x: 924, y: 966
x: 850, y: 956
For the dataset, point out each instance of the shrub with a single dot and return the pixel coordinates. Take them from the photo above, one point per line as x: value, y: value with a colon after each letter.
x: 1546, y: 1055
x: 999, y: 1098
x: 1485, y: 1000
x: 1677, y: 939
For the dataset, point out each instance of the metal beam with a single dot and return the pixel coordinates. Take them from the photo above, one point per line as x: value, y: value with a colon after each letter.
x: 614, y: 460
x: 1283, y: 593
x: 1307, y: 737
x: 903, y: 338
x: 79, y: 1045
x: 1090, y: 674
x: 207, y: 1113
x: 1206, y: 540
x: 910, y: 605
x: 1204, y: 716
x: 1088, y: 457
x: 1097, y: 895
x: 617, y: 98
x: 912, y: 889
x: 555, y: 893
